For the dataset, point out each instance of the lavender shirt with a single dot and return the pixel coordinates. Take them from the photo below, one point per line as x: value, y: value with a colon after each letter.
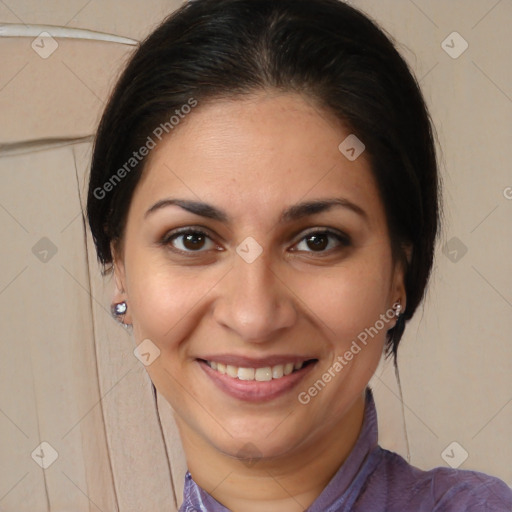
x: 373, y: 479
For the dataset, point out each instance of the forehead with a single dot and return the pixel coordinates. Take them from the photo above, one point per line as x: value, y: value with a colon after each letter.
x: 255, y: 155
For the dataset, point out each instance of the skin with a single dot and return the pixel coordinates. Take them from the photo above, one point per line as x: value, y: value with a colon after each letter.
x: 252, y: 158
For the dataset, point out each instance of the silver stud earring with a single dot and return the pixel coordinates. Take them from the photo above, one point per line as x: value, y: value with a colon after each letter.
x: 118, y: 309
x: 397, y: 308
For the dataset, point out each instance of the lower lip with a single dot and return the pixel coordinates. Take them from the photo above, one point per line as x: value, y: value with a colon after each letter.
x: 253, y: 390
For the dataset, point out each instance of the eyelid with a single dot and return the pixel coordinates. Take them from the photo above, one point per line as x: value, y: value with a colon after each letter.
x: 167, y: 238
x: 187, y: 229
x: 323, y: 230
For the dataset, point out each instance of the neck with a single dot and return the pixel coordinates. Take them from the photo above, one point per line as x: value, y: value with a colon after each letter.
x: 290, y: 483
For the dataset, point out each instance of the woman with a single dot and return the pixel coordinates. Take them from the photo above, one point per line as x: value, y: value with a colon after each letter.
x: 264, y: 188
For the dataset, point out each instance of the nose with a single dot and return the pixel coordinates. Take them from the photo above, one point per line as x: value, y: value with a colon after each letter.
x: 254, y: 301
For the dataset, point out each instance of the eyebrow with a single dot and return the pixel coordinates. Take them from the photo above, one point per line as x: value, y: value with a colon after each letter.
x: 292, y: 213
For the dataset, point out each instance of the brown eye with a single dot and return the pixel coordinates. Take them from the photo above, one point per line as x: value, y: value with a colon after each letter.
x: 321, y: 241
x: 317, y: 242
x: 188, y: 241
x: 193, y: 241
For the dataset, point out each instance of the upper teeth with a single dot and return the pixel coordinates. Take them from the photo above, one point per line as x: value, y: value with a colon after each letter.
x: 260, y: 374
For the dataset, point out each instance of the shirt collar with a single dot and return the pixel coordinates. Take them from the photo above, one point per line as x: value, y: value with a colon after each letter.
x: 346, y: 483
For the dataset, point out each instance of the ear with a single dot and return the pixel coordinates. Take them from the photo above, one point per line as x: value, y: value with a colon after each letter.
x: 398, y: 291
x: 120, y: 294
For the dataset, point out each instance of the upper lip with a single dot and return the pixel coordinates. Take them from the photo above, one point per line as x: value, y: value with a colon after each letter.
x: 249, y: 362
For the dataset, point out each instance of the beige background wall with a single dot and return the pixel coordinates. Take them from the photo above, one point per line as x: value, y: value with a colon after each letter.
x: 67, y: 370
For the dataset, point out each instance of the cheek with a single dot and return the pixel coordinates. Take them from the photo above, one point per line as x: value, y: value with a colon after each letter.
x: 350, y: 298
x: 165, y: 301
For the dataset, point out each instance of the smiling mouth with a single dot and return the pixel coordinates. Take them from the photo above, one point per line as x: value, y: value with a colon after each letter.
x: 261, y: 374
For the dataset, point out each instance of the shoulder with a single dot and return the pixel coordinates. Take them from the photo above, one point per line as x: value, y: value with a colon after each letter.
x: 443, y: 489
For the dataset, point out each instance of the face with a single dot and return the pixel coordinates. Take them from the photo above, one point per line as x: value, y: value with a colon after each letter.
x: 277, y: 256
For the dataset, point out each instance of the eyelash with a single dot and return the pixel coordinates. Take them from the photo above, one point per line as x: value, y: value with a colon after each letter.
x: 343, y: 239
